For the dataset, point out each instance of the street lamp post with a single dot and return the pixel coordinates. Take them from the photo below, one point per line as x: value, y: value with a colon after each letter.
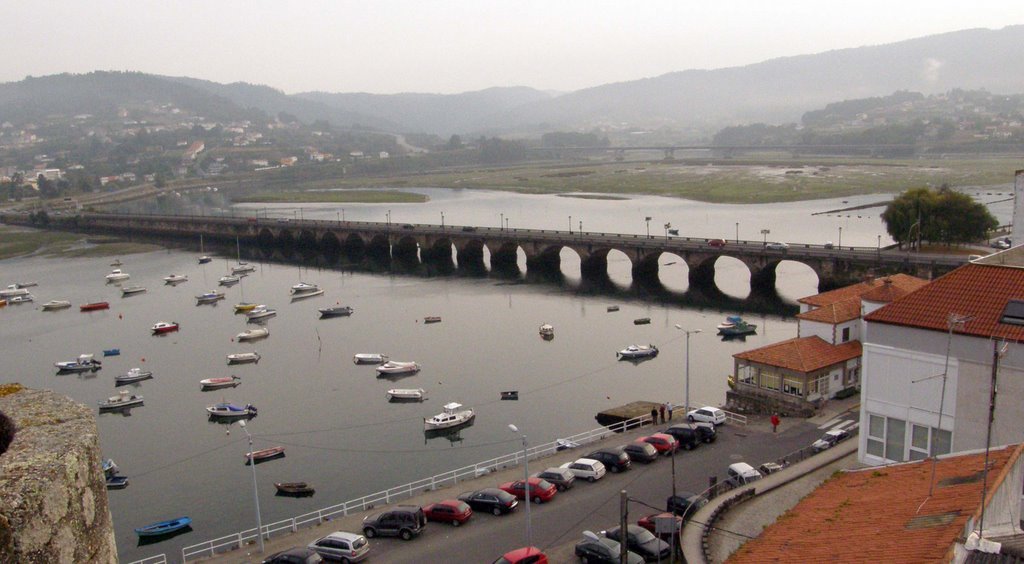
x: 737, y: 232
x: 879, y: 247
x: 648, y: 220
x: 526, y: 484
x: 840, y: 237
x: 501, y: 221
x: 570, y: 225
x: 343, y: 214
x: 442, y: 220
x: 764, y: 233
x: 255, y: 488
x: 581, y: 227
x: 686, y: 408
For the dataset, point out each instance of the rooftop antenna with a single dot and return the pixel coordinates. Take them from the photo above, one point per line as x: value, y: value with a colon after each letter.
x: 952, y: 321
x: 997, y: 353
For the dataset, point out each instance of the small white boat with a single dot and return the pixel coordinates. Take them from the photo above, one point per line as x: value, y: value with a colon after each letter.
x: 210, y: 297
x: 83, y: 363
x: 243, y: 358
x: 340, y: 311
x: 303, y: 287
x: 117, y: 275
x: 13, y: 290
x: 229, y: 280
x: 729, y: 322
x: 218, y: 383
x: 132, y: 290
x: 260, y: 312
x: 161, y: 327
x: 547, y: 330
x: 56, y: 304
x: 175, y: 279
x: 243, y: 269
x: 310, y: 294
x: 452, y: 416
x: 369, y: 358
x: 243, y: 307
x: 394, y: 367
x: 406, y: 394
x: 205, y: 259
x: 637, y: 351
x: 123, y: 399
x: 23, y: 299
x: 225, y: 409
x: 133, y: 375
x: 253, y: 334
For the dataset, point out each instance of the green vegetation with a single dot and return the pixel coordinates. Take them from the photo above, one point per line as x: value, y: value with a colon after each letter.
x: 16, y: 241
x: 334, y: 196
x: 942, y: 216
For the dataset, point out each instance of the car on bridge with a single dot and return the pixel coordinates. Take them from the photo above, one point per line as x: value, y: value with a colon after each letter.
x: 716, y: 243
x: 777, y: 246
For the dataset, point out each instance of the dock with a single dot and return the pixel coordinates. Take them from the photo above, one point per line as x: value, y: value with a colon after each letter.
x: 617, y: 415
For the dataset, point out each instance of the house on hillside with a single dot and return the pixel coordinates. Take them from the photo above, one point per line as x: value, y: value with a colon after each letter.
x: 933, y: 360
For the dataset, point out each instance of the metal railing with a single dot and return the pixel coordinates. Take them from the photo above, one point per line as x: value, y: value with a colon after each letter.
x: 158, y: 559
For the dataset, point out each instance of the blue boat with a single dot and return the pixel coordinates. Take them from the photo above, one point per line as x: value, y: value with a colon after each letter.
x: 111, y: 352
x: 163, y: 527
x: 117, y: 482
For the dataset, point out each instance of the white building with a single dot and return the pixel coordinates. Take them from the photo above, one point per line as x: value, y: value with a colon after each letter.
x: 939, y: 346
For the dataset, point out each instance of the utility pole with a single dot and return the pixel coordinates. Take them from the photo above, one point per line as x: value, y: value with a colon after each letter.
x: 623, y: 514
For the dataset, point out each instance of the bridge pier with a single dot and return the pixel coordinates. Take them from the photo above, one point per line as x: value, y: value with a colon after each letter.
x: 762, y: 280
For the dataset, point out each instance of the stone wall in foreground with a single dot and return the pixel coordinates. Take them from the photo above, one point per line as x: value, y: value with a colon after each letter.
x: 53, y: 497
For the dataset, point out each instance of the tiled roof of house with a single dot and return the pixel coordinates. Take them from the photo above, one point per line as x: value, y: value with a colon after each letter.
x: 802, y: 354
x: 903, y: 282
x: 882, y: 514
x: 977, y: 291
x: 835, y: 312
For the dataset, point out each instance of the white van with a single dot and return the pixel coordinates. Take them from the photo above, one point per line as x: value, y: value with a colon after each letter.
x: 742, y: 473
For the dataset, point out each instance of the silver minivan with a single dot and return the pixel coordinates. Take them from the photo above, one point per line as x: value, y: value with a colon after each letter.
x: 741, y: 473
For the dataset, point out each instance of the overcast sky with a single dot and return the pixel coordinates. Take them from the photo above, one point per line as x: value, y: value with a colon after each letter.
x: 449, y: 46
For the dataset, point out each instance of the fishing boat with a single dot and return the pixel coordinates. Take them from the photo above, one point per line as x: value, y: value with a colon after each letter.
x: 369, y: 358
x: 161, y: 327
x: 303, y: 287
x: 739, y: 328
x: 209, y: 298
x: 642, y: 321
x: 294, y: 488
x: 229, y: 410
x: 117, y: 482
x: 117, y: 275
x: 133, y: 375
x: 243, y: 358
x: 229, y: 280
x: 123, y: 399
x: 339, y: 311
x: 13, y: 290
x: 547, y: 330
x: 23, y: 299
x: 253, y: 334
x: 218, y: 383
x: 164, y: 527
x: 260, y: 312
x: 406, y: 394
x: 510, y: 395
x: 637, y: 351
x: 264, y: 454
x: 453, y: 416
x: 83, y: 363
x: 310, y: 294
x: 54, y: 305
x: 175, y: 279
x: 94, y: 306
x: 243, y: 307
x: 111, y: 352
x: 432, y: 319
x: 394, y: 368
x: 132, y: 290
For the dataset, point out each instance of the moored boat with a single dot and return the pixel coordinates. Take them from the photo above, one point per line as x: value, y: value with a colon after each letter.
x: 637, y: 351
x: 547, y: 330
x: 83, y: 363
x: 642, y: 321
x: 23, y: 299
x: 161, y: 327
x: 612, y: 308
x: 117, y: 275
x: 740, y: 327
x: 229, y: 410
x: 260, y: 312
x: 369, y: 358
x: 309, y: 294
x: 218, y: 383
x: 94, y: 306
x: 253, y: 334
x: 205, y: 259
x: 123, y: 399
x: 510, y: 395
x: 264, y: 454
x: 54, y: 305
x: 243, y: 268
x: 406, y: 394
x: 163, y: 527
x: 111, y: 352
x: 243, y: 358
x: 209, y: 297
x: 133, y: 375
x: 730, y: 322
x: 132, y: 290
x: 294, y: 488
x: 117, y: 482
x: 175, y: 279
x: 229, y: 280
x: 453, y: 415
x: 243, y: 307
x: 13, y: 290
x: 394, y: 367
x: 303, y: 287
x: 432, y: 319
x: 109, y: 467
x: 339, y: 311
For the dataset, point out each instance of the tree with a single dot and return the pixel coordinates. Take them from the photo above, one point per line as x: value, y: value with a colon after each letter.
x: 941, y: 216
x: 454, y: 142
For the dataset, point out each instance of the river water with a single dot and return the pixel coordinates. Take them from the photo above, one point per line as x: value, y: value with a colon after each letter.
x: 340, y: 433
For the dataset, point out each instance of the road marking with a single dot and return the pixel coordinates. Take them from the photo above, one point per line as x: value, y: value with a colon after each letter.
x: 845, y: 423
x: 828, y: 424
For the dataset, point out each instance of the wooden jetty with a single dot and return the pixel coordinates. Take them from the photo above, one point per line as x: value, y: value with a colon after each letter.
x: 617, y: 416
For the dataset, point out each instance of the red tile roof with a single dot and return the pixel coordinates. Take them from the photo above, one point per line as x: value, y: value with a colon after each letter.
x: 834, y: 313
x: 802, y: 354
x: 978, y: 291
x: 904, y: 282
x: 882, y: 514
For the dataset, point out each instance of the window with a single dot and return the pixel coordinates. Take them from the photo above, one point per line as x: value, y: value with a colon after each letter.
x: 769, y: 381
x: 793, y: 387
x: 895, y: 436
x: 942, y: 441
x: 919, y: 442
x: 876, y: 433
x: 747, y: 374
x: 819, y: 385
x: 846, y: 334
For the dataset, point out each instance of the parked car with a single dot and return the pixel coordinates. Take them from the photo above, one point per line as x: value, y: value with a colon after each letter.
x: 614, y: 459
x: 451, y: 511
x: 649, y: 522
x: 526, y: 555
x: 404, y: 521
x: 298, y: 555
x: 586, y: 469
x: 706, y: 414
x: 340, y: 546
x: 603, y: 550
x: 665, y: 443
x: 769, y: 468
x: 640, y: 451
x: 1003, y: 243
x: 829, y: 439
x: 642, y: 542
x: 685, y: 504
x: 562, y: 478
x: 491, y: 500
x: 540, y: 490
x: 716, y: 243
x: 776, y: 246
x: 741, y: 473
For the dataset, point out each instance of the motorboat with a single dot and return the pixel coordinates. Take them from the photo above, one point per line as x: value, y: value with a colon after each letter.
x: 264, y: 454
x: 432, y: 319
x: 309, y: 294
x: 161, y: 327
x: 22, y: 299
x: 454, y: 415
x: 369, y: 358
x: 637, y: 351
x: 547, y: 330
x: 339, y: 311
x: 642, y: 321
x: 209, y: 297
x: 123, y: 399
x: 303, y: 287
x: 510, y: 395
x: 111, y: 352
x: 230, y: 410
x: 253, y: 334
x: 260, y: 312
x: 205, y: 259
x: 243, y: 268
x: 229, y: 280
x: 117, y: 275
x: 243, y: 307
x: 294, y: 488
x: 83, y: 363
x: 117, y: 262
x: 94, y: 306
x: 612, y: 308
x: 117, y: 482
x: 218, y: 383
x: 730, y: 321
x: 406, y: 394
x: 109, y: 467
x: 164, y: 527
x: 243, y: 358
x: 54, y: 305
x: 133, y: 375
x: 13, y: 290
x: 394, y: 368
x: 739, y: 328
x: 132, y: 290
x: 175, y: 279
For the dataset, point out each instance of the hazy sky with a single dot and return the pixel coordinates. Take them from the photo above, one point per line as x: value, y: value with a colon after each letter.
x: 449, y: 46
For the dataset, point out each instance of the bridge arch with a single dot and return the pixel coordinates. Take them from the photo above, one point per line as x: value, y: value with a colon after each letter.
x: 265, y: 239
x: 307, y: 241
x: 285, y: 240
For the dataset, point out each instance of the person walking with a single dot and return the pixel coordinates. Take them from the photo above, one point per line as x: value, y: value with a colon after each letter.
x: 775, y: 422
x: 661, y: 409
x: 654, y: 416
x: 669, y: 406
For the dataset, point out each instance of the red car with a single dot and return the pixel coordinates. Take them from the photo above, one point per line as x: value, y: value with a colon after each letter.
x: 665, y: 443
x: 448, y: 511
x: 648, y: 522
x: 528, y: 555
x: 540, y: 490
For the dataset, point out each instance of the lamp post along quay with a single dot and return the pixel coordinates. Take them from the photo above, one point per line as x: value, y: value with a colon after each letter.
x: 686, y: 408
x: 526, y: 483
x: 255, y: 487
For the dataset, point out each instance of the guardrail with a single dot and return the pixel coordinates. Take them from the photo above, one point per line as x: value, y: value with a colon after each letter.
x: 158, y: 559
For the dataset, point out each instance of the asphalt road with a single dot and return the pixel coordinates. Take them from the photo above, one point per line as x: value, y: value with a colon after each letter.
x: 557, y: 526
